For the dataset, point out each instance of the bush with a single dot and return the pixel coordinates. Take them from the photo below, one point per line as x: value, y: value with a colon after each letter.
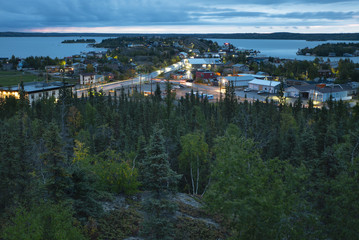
x: 44, y: 221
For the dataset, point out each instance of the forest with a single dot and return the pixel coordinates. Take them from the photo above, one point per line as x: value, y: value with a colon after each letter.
x: 324, y: 50
x: 265, y: 171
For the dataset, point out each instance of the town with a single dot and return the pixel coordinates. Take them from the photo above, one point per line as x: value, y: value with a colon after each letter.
x: 188, y: 64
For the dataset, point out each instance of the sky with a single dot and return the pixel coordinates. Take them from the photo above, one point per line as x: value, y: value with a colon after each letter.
x: 180, y: 16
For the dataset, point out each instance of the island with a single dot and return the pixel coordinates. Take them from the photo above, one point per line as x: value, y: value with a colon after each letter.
x: 80, y: 41
x: 332, y: 50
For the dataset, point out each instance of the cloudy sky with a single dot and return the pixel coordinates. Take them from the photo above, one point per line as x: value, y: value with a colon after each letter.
x: 179, y: 16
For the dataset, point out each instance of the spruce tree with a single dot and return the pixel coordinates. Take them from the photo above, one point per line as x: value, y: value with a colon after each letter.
x: 54, y: 160
x: 161, y: 182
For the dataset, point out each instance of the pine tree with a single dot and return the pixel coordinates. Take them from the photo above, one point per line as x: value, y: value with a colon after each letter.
x: 161, y: 182
x: 54, y: 160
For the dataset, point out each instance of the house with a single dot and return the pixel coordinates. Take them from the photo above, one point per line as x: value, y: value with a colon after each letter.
x: 204, y: 74
x: 294, y: 82
x: 179, y: 75
x: 237, y: 68
x: 268, y: 86
x: 79, y: 67
x: 241, y: 80
x: 203, y: 62
x: 35, y: 90
x: 299, y: 91
x: 59, y: 69
x: 90, y: 78
x: 183, y: 55
x: 323, y: 92
x: 7, y: 66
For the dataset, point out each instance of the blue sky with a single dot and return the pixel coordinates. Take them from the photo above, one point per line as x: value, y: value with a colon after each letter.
x: 180, y: 16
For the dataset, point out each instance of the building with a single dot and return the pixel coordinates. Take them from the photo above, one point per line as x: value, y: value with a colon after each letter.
x: 241, y: 80
x: 90, y: 78
x: 79, y: 67
x: 299, y: 91
x: 35, y: 90
x: 268, y: 86
x: 323, y: 92
x: 203, y: 62
x: 58, y: 69
x: 183, y: 55
x: 237, y: 68
x: 203, y: 74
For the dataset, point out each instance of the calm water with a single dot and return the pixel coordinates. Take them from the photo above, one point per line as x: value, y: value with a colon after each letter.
x: 52, y: 47
x: 43, y: 46
x: 280, y: 48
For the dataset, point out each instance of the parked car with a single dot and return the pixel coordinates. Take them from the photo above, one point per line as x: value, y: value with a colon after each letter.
x: 262, y: 91
x: 247, y: 89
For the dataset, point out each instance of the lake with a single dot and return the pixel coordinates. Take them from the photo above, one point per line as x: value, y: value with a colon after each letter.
x: 280, y: 48
x: 44, y: 46
x: 51, y: 46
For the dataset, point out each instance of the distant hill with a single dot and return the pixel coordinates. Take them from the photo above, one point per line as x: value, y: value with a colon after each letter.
x: 278, y: 35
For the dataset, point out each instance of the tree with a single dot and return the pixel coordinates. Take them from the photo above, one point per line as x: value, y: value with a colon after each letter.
x: 161, y: 182
x: 253, y: 194
x: 41, y: 222
x: 158, y: 92
x: 54, y: 159
x: 90, y: 68
x: 193, y: 161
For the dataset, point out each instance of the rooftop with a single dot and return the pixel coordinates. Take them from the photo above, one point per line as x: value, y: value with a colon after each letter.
x: 197, y: 61
x: 38, y: 86
x: 265, y: 82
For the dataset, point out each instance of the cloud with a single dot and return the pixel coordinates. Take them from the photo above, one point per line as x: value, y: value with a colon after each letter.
x: 318, y: 15
x: 25, y: 14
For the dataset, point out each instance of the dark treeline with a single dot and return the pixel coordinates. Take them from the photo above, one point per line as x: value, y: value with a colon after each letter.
x: 79, y: 41
x: 273, y: 172
x: 309, y: 70
x: 324, y: 50
x: 276, y: 35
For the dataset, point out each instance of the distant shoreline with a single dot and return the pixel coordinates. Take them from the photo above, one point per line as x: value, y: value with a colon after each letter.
x: 273, y: 36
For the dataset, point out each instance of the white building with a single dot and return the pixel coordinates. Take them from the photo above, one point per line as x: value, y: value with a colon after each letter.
x: 35, y: 90
x: 335, y: 91
x: 90, y: 78
x: 203, y: 62
x: 268, y: 86
x: 241, y: 80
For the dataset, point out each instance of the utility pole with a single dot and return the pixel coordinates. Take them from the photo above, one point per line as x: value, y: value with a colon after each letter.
x: 140, y: 84
x: 151, y: 85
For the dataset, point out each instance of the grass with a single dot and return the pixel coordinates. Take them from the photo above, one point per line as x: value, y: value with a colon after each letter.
x: 10, y: 78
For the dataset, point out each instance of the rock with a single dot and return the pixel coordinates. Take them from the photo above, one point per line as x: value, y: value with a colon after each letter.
x: 117, y: 203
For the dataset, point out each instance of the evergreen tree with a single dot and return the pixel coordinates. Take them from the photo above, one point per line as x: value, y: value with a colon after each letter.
x: 54, y: 159
x: 161, y: 182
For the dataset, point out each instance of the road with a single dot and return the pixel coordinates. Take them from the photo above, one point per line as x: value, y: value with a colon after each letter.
x: 134, y: 81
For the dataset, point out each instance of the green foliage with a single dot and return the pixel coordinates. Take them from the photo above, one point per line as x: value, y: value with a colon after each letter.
x: 193, y: 161
x: 112, y: 173
x: 54, y: 160
x: 323, y: 50
x: 157, y: 172
x: 119, y: 224
x: 188, y: 228
x: 43, y: 221
x: 253, y: 193
x: 302, y: 178
x: 161, y: 180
